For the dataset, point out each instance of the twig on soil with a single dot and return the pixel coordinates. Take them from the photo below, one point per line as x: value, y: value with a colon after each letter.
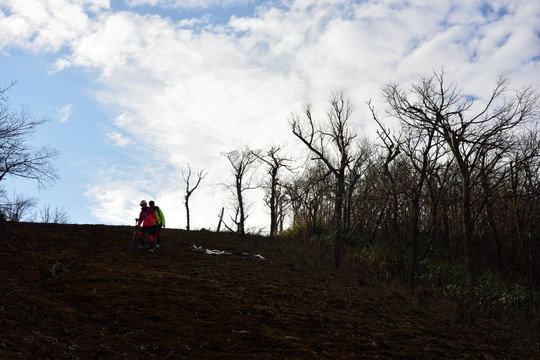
x: 45, y: 336
x: 166, y: 357
x: 57, y: 266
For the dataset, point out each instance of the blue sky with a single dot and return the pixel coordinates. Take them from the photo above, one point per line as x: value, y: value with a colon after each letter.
x: 135, y: 90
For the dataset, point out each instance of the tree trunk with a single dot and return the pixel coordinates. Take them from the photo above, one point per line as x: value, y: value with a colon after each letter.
x: 273, y: 213
x: 468, y: 227
x: 414, y: 244
x: 340, y: 189
x: 220, y: 219
x: 187, y: 213
x: 241, y: 221
x: 529, y: 253
x: 496, y: 238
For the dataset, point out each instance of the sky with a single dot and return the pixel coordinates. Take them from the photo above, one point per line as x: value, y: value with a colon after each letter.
x: 135, y: 90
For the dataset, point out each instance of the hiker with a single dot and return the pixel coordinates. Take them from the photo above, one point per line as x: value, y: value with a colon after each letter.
x: 161, y: 221
x: 149, y: 222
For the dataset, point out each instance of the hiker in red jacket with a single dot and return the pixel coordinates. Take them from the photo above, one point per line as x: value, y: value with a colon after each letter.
x: 149, y: 222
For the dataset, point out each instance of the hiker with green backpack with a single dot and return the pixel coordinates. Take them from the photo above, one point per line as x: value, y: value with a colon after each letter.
x: 160, y: 223
x: 149, y: 221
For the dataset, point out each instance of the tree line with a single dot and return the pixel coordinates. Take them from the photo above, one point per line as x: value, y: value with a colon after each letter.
x: 446, y: 177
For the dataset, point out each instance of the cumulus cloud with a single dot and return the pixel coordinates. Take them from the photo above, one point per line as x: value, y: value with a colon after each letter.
x: 46, y: 25
x: 189, y: 94
x: 115, y: 203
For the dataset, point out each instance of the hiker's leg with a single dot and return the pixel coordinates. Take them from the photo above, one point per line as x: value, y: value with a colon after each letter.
x: 151, y: 233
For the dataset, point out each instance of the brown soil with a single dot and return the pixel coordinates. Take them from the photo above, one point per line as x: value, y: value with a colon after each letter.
x: 77, y: 292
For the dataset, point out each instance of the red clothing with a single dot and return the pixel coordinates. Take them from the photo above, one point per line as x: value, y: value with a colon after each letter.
x: 148, y: 217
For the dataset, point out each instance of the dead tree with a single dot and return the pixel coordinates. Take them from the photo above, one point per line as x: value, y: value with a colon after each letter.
x: 220, y: 216
x: 18, y: 207
x: 330, y: 143
x: 17, y: 157
x: 242, y: 162
x: 274, y: 162
x: 357, y: 170
x: 309, y: 193
x: 525, y: 188
x: 392, y: 150
x: 56, y: 216
x: 431, y: 103
x: 420, y: 145
x: 187, y: 177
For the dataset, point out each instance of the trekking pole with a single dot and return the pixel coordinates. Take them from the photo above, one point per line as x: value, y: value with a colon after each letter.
x: 134, y: 233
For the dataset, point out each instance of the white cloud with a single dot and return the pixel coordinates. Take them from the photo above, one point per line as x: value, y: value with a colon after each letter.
x: 115, y: 203
x: 188, y: 95
x: 185, y: 3
x: 118, y: 139
x: 45, y: 25
x: 64, y: 113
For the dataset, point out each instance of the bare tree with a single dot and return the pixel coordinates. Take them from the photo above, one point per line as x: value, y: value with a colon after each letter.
x: 330, y: 144
x: 18, y: 207
x: 187, y: 177
x: 438, y: 200
x: 308, y: 195
x: 242, y: 162
x: 53, y: 216
x: 420, y: 145
x: 283, y: 205
x: 357, y: 171
x: 275, y: 162
x: 17, y: 157
x: 485, y: 135
x: 392, y: 150
x: 525, y: 189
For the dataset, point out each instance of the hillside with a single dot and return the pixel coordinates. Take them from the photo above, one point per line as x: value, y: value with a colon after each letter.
x: 76, y: 292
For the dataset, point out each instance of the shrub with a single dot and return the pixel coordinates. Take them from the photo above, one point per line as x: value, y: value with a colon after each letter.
x: 491, y: 290
x: 379, y: 258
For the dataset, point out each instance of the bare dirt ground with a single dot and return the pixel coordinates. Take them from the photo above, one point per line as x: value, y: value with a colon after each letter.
x: 76, y: 292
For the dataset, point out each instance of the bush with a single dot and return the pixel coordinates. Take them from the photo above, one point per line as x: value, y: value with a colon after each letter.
x: 491, y: 290
x: 299, y: 231
x: 381, y: 259
x: 495, y: 291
